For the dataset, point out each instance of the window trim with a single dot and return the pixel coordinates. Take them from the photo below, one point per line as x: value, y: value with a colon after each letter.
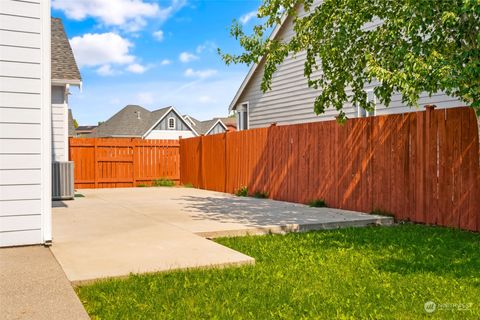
x: 174, y: 123
x: 368, y: 113
x: 245, y: 108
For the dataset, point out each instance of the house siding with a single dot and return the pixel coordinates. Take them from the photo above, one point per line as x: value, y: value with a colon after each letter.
x: 24, y: 77
x: 180, y: 124
x: 59, y: 124
x: 217, y: 129
x: 290, y: 100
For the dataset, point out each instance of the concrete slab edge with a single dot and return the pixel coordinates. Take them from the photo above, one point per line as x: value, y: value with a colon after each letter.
x: 239, y: 263
x: 283, y: 229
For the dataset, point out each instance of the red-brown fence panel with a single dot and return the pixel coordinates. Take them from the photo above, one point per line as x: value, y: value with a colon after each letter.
x: 421, y: 166
x: 123, y: 162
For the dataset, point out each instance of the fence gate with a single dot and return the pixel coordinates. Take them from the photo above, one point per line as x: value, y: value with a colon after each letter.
x: 123, y: 162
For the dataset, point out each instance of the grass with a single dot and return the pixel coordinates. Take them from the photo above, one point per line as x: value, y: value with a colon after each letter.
x: 242, y: 192
x: 380, y: 273
x: 163, y: 183
x: 318, y: 203
x: 260, y: 194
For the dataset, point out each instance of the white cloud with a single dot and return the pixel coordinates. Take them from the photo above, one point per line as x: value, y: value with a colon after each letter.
x: 186, y: 57
x: 248, y: 16
x: 206, y: 99
x: 209, y: 46
x: 165, y: 62
x: 159, y: 35
x: 130, y: 15
x: 136, y: 68
x: 106, y: 70
x: 98, y: 49
x: 202, y: 74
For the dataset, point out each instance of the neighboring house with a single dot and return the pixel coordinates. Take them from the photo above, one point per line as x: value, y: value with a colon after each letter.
x: 231, y: 123
x: 84, y: 130
x: 291, y: 101
x: 71, y: 125
x: 136, y: 122
x: 208, y: 127
x: 25, y: 125
x: 65, y: 74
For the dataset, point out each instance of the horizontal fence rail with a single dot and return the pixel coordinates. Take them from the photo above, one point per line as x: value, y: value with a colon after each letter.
x: 421, y: 166
x: 123, y: 162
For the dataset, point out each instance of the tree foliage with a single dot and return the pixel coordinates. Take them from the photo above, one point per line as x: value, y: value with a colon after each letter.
x: 416, y: 46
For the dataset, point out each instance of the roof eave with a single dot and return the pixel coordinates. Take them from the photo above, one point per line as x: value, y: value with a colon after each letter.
x: 252, y: 70
x: 161, y: 118
x: 72, y: 82
x: 218, y: 121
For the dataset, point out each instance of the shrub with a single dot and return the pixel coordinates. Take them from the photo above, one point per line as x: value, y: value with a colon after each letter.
x: 188, y: 185
x: 141, y: 185
x: 260, y: 194
x: 318, y: 203
x: 163, y: 183
x: 242, y: 192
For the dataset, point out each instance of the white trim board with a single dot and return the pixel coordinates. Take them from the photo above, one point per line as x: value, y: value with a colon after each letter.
x: 164, y: 115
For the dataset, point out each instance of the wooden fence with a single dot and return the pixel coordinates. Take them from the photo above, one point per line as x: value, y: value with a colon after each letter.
x: 421, y: 166
x: 123, y: 162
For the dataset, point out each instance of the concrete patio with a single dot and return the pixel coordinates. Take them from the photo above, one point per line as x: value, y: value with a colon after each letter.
x: 114, y: 232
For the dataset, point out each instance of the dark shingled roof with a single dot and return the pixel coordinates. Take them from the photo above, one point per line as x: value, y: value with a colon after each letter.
x: 131, y: 121
x: 64, y: 66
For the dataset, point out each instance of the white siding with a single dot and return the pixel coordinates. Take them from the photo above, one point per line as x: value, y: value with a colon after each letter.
x: 24, y: 122
x: 59, y: 124
x: 170, y: 134
x: 291, y: 101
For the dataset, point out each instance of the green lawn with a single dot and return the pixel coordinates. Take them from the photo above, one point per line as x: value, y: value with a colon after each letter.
x: 377, y: 272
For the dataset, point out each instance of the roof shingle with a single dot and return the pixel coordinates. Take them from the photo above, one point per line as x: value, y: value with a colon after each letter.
x: 131, y: 121
x: 64, y: 66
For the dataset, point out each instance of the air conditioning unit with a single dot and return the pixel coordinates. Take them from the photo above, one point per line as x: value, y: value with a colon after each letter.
x: 62, y: 180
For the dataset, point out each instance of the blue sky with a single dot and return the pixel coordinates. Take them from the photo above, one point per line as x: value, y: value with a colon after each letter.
x: 153, y: 53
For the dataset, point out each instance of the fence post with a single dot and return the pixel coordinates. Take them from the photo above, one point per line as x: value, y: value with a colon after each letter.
x: 95, y: 163
x: 135, y: 162
x: 225, y: 163
x: 202, y: 165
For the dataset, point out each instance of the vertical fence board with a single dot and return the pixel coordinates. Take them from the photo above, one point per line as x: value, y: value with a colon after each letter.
x: 122, y: 162
x: 421, y: 166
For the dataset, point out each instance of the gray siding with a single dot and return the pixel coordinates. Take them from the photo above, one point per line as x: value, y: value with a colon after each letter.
x: 180, y: 124
x: 291, y: 101
x: 21, y: 112
x: 217, y: 129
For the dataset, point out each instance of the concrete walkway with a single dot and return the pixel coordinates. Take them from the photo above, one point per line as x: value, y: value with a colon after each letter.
x: 114, y: 232
x: 34, y: 286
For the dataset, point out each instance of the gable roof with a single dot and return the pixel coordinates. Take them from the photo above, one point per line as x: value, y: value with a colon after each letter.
x: 64, y: 66
x: 133, y: 121
x: 163, y: 115
x: 204, y: 127
x: 254, y: 67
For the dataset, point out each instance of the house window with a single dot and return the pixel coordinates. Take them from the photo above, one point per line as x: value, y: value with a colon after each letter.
x: 371, y: 98
x: 242, y: 116
x: 171, y: 123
